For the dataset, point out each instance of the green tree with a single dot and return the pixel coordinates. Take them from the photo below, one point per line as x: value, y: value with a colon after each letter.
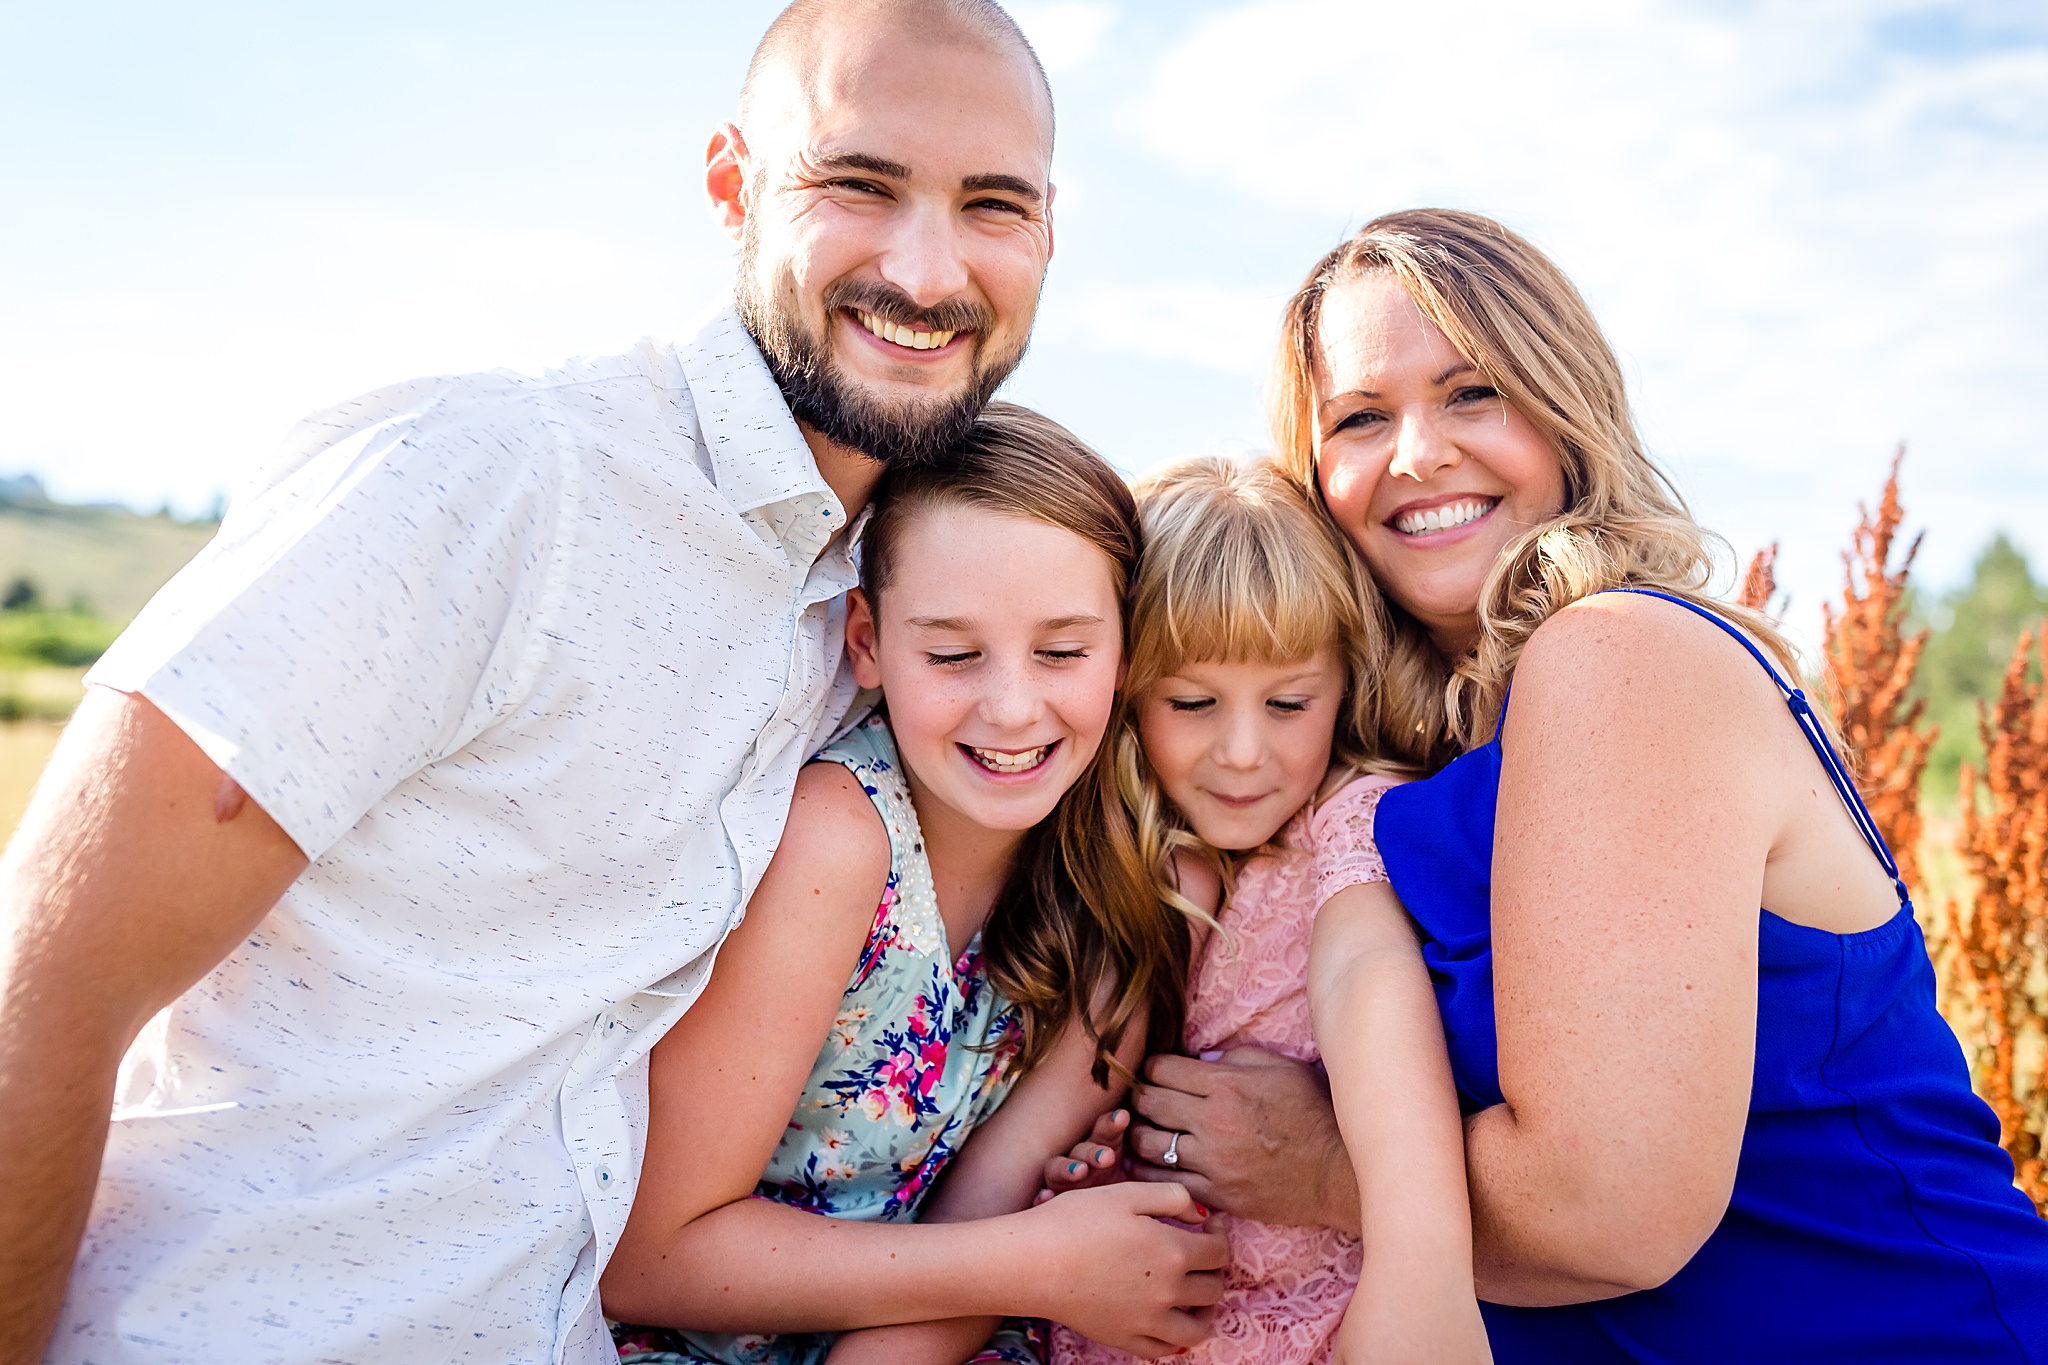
x: 1974, y: 629
x: 22, y: 596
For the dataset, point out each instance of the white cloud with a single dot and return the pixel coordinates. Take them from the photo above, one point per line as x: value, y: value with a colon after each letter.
x: 1807, y: 236
x: 1065, y: 33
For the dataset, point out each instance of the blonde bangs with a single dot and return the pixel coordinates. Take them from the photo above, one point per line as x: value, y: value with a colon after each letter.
x: 1221, y: 592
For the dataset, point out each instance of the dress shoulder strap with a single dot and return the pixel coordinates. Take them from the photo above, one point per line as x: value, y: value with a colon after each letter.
x: 1809, y: 725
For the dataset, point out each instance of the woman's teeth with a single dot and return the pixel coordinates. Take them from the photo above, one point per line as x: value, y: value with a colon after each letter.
x: 1451, y: 514
x: 903, y: 336
x: 996, y: 761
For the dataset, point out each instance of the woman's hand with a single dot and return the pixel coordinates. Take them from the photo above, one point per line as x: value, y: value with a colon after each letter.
x: 1258, y: 1138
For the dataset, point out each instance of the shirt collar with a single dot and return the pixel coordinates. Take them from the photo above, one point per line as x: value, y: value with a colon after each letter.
x: 758, y: 456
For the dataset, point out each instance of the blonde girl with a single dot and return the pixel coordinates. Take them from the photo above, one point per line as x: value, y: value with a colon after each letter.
x: 937, y: 932
x: 1253, y: 681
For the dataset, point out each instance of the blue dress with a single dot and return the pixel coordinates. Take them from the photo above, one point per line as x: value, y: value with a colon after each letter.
x: 1873, y: 1217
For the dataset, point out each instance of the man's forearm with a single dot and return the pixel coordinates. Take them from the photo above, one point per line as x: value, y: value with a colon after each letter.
x: 128, y: 879
x: 56, y: 1087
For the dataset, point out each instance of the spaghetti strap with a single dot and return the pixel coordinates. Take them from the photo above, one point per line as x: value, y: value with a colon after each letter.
x: 1809, y: 725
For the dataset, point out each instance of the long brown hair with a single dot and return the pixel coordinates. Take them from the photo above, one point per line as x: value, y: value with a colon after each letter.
x: 1516, y: 317
x: 1077, y: 933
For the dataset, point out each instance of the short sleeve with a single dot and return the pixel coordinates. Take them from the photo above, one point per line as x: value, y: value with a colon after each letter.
x: 1342, y: 849
x: 367, y: 607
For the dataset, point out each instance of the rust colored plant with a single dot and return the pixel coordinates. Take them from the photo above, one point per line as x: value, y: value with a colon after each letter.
x: 1760, y: 582
x: 1870, y: 670
x: 2002, y: 948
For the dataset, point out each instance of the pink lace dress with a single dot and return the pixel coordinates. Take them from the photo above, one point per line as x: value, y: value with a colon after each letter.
x: 1287, y: 1287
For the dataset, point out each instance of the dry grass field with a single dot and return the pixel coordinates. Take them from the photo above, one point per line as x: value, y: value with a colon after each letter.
x: 24, y: 747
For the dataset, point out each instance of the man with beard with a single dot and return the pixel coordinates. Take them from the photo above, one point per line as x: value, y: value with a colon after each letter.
x: 405, y: 820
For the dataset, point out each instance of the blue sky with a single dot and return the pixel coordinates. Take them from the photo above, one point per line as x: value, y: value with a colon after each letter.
x: 1812, y: 227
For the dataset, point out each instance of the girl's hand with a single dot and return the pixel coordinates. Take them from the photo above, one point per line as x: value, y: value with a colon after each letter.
x: 1095, y: 1161
x: 1111, y: 1270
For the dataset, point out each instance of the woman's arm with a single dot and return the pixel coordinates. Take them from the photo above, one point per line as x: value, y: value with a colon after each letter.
x: 699, y: 1252
x: 1638, y: 808
x: 997, y: 1173
x: 1376, y: 1025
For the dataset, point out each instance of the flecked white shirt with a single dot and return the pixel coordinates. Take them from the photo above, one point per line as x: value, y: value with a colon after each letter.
x: 527, y: 667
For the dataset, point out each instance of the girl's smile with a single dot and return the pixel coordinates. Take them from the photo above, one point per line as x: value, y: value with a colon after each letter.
x: 999, y: 645
x: 1240, y: 747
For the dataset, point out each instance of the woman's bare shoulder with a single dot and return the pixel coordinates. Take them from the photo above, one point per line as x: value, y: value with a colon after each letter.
x: 1614, y: 656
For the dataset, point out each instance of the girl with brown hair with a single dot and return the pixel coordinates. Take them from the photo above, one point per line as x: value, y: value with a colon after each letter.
x: 943, y: 925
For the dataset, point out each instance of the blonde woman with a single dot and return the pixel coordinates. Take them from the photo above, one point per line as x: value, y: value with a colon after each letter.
x: 1695, y: 1130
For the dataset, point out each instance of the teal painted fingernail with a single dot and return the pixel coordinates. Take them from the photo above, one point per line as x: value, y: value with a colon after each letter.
x: 1073, y: 1168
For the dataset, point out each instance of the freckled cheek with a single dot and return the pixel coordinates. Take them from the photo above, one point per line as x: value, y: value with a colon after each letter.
x: 1348, y: 488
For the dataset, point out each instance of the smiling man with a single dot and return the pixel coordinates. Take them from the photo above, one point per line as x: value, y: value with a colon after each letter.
x: 403, y: 823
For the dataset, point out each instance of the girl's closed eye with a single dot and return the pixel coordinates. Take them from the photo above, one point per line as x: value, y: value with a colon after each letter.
x: 940, y: 659
x: 1292, y: 706
x: 1188, y: 705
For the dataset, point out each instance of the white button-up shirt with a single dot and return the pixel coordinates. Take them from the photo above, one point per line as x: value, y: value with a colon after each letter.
x: 527, y: 667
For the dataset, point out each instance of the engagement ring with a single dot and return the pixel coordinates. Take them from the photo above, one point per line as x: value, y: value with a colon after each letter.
x: 1172, y: 1157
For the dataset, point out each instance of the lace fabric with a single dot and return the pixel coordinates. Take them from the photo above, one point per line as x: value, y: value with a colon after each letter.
x: 1287, y: 1287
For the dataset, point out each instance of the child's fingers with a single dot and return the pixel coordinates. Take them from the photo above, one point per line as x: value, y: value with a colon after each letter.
x: 1109, y: 1128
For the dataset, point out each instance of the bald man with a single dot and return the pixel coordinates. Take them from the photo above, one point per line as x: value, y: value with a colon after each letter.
x: 404, y: 822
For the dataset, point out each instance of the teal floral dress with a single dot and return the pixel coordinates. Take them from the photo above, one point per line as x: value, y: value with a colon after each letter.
x: 918, y: 1055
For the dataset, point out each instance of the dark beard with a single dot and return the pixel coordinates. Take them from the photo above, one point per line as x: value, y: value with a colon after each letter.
x: 903, y: 435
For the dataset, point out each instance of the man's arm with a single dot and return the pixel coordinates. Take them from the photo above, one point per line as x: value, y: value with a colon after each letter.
x: 136, y: 868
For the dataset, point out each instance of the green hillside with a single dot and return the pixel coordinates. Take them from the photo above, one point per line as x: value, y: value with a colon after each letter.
x: 106, y: 561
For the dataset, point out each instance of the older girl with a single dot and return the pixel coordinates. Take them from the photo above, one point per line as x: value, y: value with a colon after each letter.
x: 935, y: 929
x: 1696, y: 1130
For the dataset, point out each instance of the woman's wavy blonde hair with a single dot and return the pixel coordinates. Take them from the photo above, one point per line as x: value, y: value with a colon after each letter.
x: 1516, y: 318
x: 1239, y: 566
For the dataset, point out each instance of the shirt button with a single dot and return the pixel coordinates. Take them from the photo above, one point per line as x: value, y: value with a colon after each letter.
x: 604, y: 1175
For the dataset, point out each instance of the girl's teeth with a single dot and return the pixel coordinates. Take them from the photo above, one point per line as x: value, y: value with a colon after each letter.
x: 1444, y: 518
x: 903, y: 336
x: 999, y: 762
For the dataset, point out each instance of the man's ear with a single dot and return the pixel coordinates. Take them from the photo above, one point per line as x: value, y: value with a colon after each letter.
x: 1052, y: 192
x: 725, y: 178
x: 861, y: 635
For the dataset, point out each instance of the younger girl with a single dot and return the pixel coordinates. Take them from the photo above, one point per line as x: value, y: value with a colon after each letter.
x: 1253, y: 675
x: 935, y: 929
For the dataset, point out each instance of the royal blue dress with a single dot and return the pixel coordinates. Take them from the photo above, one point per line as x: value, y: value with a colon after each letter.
x: 1874, y: 1216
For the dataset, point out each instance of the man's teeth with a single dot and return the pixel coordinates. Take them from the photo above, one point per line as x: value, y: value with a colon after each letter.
x: 1444, y: 518
x: 997, y: 761
x: 903, y: 336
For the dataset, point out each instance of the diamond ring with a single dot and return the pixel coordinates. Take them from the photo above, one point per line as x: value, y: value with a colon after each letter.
x: 1172, y: 1157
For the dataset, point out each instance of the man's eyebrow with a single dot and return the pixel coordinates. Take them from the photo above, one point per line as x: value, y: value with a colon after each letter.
x: 859, y: 161
x: 1009, y: 184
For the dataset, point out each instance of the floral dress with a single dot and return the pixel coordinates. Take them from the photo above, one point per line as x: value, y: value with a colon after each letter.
x: 1286, y: 1289
x: 918, y: 1056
